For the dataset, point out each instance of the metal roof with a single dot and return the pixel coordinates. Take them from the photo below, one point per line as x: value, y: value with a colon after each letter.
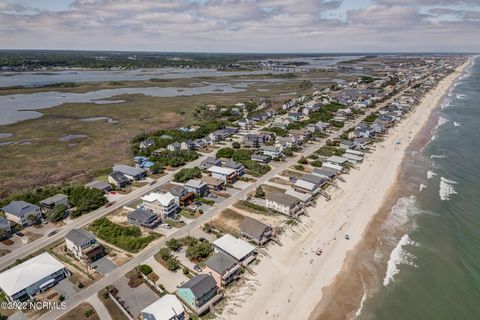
x: 220, y: 263
x: 200, y: 285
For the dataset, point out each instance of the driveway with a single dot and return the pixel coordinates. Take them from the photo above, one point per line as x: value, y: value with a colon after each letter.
x: 136, y: 299
x: 169, y: 280
x: 66, y: 288
x: 104, y: 265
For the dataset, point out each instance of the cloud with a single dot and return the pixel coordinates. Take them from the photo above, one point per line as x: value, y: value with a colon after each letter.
x: 244, y: 26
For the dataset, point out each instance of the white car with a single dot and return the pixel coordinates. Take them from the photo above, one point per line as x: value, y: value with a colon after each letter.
x: 166, y: 226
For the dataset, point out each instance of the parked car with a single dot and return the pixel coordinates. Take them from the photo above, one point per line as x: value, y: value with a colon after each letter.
x: 166, y: 226
x: 51, y: 233
x: 109, y: 204
x: 197, y: 268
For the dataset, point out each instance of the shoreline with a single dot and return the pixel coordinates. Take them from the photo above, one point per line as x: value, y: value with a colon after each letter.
x: 288, y: 286
x: 349, y: 284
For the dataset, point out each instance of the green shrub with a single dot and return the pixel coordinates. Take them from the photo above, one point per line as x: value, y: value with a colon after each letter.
x: 186, y: 174
x: 145, y: 269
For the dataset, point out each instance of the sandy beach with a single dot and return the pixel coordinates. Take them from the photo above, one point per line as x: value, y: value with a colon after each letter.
x: 290, y: 278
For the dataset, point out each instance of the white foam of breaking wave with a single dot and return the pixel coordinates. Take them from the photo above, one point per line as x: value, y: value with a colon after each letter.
x: 422, y: 186
x: 446, y: 104
x: 461, y: 96
x: 446, y: 188
x: 430, y: 174
x: 398, y: 256
x: 457, y: 124
x: 401, y: 212
x: 432, y: 138
x: 441, y: 121
x: 438, y: 156
x: 362, y: 302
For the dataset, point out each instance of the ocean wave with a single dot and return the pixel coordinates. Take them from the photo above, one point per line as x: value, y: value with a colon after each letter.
x: 446, y: 103
x: 438, y: 156
x: 457, y: 124
x: 446, y: 188
x: 430, y: 174
x: 441, y: 121
x: 362, y: 302
x: 422, y: 186
x: 400, y: 213
x: 461, y: 96
x: 398, y: 256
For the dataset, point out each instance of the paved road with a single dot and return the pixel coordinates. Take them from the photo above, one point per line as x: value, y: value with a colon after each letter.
x: 39, y: 244
x: 152, y: 250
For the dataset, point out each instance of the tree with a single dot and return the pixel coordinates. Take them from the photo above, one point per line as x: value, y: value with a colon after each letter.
x: 225, y: 153
x: 236, y: 145
x: 3, y: 233
x: 174, y: 244
x: 259, y: 193
x: 186, y: 174
x: 32, y: 219
x: 241, y: 155
x: 57, y: 213
x: 164, y: 253
x: 156, y: 168
x: 302, y: 160
x: 199, y: 250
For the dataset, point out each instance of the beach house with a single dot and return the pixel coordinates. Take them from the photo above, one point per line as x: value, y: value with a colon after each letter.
x: 240, y: 250
x: 83, y: 245
x: 223, y: 268
x: 22, y: 213
x: 199, y: 293
x: 163, y: 204
x: 225, y: 174
x: 168, y: 307
x: 255, y: 231
x: 284, y: 203
x: 31, y: 277
x: 143, y: 218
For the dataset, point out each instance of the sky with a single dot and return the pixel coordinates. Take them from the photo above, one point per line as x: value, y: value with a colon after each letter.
x: 242, y: 25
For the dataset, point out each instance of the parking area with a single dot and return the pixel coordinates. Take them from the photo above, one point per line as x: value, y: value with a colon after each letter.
x: 136, y: 299
x: 104, y: 265
x: 170, y: 280
x: 180, y: 254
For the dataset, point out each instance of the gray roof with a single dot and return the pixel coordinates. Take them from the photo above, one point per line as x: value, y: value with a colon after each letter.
x: 54, y: 199
x: 232, y: 165
x: 282, y: 198
x: 195, y: 183
x: 312, y: 178
x: 131, y: 171
x: 200, y: 285
x: 19, y: 208
x: 324, y: 171
x: 79, y: 236
x: 260, y: 157
x: 220, y: 263
x: 101, y: 185
x: 178, y: 191
x: 253, y: 227
x: 141, y: 215
x: 118, y: 176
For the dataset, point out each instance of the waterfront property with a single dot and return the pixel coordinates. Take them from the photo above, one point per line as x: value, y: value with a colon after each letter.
x: 284, y: 203
x: 22, y: 212
x: 33, y: 276
x: 83, y: 245
x: 242, y: 251
x: 325, y: 173
x: 223, y: 268
x: 309, y: 183
x: 256, y: 231
x: 199, y: 293
x: 143, y: 218
x: 168, y: 307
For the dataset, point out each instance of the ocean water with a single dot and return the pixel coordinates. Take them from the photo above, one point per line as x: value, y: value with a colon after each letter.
x: 428, y: 259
